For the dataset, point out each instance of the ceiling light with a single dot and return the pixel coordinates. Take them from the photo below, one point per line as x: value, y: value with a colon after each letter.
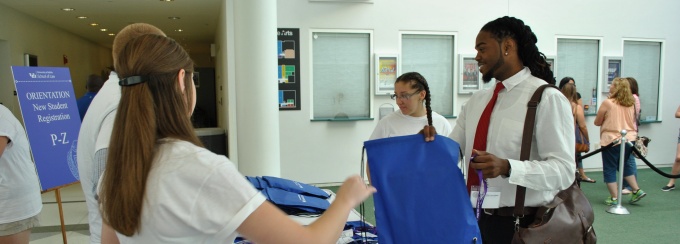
x: 82, y: 17
x: 167, y: 0
x: 174, y: 18
x: 103, y: 29
x: 68, y: 9
x: 94, y: 24
x: 179, y: 30
x: 112, y: 34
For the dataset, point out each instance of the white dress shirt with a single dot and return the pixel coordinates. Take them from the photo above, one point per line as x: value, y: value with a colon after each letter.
x: 552, y: 163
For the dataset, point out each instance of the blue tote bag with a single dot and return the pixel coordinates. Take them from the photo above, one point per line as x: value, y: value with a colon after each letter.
x: 421, y: 194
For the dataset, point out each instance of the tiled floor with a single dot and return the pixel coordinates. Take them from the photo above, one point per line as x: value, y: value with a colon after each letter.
x: 75, y: 218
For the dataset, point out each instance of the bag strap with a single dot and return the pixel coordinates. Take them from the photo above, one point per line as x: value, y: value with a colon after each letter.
x: 527, y: 136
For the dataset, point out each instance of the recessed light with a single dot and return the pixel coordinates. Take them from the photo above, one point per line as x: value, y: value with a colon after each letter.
x: 167, y: 0
x: 94, y: 24
x: 103, y: 29
x: 174, y: 18
x: 112, y: 34
x: 179, y: 30
x: 82, y: 17
x: 68, y: 9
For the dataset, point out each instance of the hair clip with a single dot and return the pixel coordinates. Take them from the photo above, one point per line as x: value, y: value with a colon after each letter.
x: 132, y: 80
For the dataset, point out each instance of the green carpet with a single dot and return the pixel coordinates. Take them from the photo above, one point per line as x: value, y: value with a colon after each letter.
x: 654, y: 219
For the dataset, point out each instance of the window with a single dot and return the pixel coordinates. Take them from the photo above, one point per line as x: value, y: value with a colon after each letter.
x: 432, y: 55
x: 642, y: 61
x: 341, y: 75
x: 579, y: 59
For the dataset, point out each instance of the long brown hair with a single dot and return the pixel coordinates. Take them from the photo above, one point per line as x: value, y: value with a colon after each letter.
x: 148, y: 112
x: 569, y: 91
x: 621, y: 93
x: 130, y: 32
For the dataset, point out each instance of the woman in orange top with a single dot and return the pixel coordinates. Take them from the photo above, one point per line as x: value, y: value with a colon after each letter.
x: 617, y: 113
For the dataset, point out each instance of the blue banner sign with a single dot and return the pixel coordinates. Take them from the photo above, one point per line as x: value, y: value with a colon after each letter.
x: 48, y: 106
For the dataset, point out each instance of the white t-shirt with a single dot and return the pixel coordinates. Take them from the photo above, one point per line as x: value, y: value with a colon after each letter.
x: 19, y: 187
x: 95, y: 134
x: 193, y: 196
x: 398, y: 124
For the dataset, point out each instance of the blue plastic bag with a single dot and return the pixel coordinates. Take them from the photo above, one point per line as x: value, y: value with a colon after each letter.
x: 421, y: 195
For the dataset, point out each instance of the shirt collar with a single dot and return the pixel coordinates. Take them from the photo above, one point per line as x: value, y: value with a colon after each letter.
x: 517, y: 78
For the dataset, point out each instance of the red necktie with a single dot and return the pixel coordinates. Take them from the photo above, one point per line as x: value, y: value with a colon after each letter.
x: 482, y: 133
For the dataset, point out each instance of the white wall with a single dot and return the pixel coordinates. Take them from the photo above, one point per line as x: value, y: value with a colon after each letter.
x: 24, y: 34
x: 326, y: 152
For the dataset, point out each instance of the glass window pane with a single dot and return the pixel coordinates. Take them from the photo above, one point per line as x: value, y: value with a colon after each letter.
x: 432, y: 56
x: 341, y: 68
x: 579, y: 58
x: 642, y: 61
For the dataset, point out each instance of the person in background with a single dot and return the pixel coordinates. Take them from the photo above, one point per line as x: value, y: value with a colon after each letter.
x: 638, y: 110
x: 161, y: 186
x: 569, y: 80
x: 615, y: 114
x: 676, y: 165
x: 93, y: 85
x: 569, y: 91
x: 95, y: 131
x: 507, y: 51
x: 412, y: 94
x: 20, y: 201
x: 579, y: 103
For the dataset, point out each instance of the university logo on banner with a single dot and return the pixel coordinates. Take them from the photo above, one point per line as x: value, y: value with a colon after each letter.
x: 48, y: 106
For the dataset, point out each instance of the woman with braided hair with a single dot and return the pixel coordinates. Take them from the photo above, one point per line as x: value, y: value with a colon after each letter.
x: 412, y: 94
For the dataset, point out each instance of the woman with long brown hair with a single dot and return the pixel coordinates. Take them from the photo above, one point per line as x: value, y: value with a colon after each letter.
x: 580, y: 121
x: 617, y: 113
x: 162, y: 186
x: 569, y: 91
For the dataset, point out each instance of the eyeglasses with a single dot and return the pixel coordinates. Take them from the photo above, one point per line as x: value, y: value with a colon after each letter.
x: 404, y: 96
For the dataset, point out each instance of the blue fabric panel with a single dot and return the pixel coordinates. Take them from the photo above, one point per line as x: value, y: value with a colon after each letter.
x: 294, y: 186
x: 255, y: 181
x: 421, y: 195
x: 289, y: 200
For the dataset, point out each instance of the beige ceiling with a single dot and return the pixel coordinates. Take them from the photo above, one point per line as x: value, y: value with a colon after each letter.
x: 198, y: 18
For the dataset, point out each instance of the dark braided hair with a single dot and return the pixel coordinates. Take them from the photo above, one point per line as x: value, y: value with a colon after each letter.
x: 511, y: 27
x: 418, y: 82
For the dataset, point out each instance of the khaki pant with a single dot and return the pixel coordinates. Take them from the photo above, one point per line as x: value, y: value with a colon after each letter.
x: 19, y: 226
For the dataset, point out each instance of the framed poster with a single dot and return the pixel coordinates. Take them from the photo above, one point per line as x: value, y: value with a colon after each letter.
x: 288, y: 49
x: 386, y: 70
x: 613, y: 65
x: 470, y: 78
x: 550, y: 59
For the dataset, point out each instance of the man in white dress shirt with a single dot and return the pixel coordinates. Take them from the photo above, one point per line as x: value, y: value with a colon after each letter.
x: 506, y: 50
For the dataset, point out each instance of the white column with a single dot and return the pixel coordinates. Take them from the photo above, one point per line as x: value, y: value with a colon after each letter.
x: 256, y: 89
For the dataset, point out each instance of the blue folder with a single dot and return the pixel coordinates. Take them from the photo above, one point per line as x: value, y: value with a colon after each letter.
x: 421, y: 194
x: 293, y: 186
x: 294, y: 203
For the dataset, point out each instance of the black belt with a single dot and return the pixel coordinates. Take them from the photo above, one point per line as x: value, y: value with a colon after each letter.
x: 509, y: 211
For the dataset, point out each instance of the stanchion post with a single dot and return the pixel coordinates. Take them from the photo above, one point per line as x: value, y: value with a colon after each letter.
x: 618, y: 209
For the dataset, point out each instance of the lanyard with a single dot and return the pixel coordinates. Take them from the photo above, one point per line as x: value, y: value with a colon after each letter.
x: 481, y: 194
